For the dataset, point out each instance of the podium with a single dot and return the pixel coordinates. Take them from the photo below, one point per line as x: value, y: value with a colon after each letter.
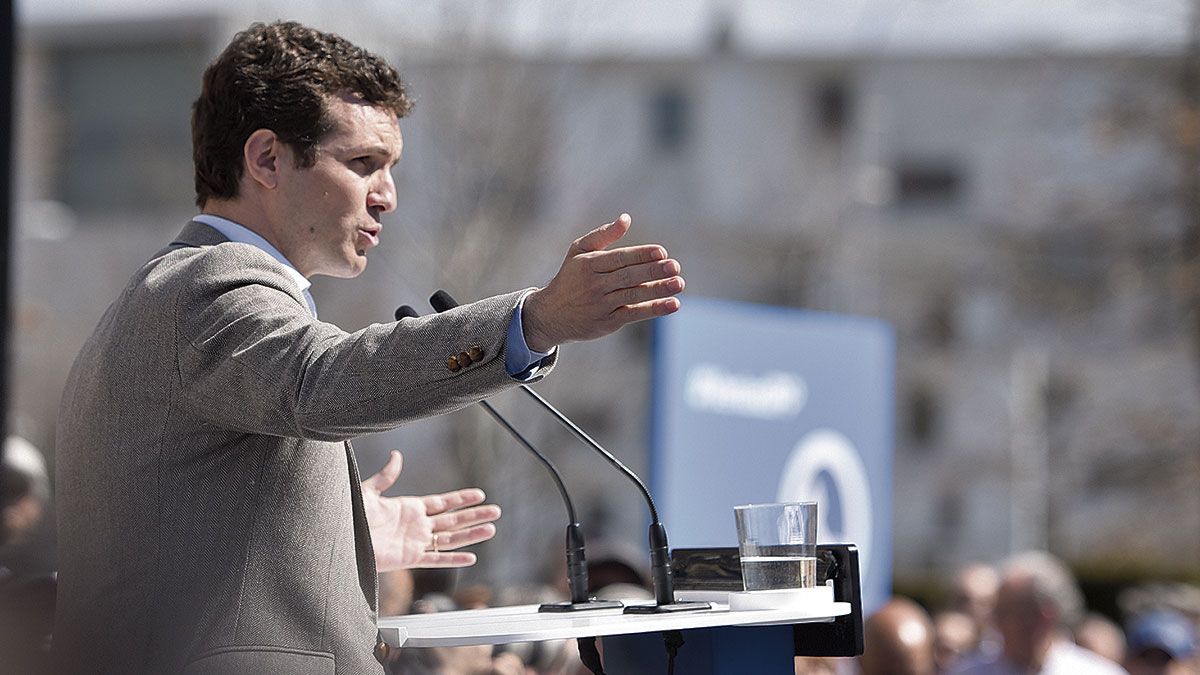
x: 720, y: 641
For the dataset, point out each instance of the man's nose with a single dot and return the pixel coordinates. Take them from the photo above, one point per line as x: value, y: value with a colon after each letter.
x: 383, y: 192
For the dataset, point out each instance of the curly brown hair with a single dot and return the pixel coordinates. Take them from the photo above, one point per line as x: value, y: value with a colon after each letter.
x: 278, y: 76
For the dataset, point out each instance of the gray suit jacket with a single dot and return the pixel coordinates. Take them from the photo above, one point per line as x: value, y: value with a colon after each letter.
x: 210, y: 518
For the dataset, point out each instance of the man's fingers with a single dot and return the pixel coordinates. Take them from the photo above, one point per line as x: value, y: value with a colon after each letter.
x: 611, y: 261
x: 457, y: 520
x: 604, y: 236
x: 450, y: 540
x: 653, y: 290
x: 386, y: 476
x: 430, y: 560
x: 457, y: 499
x: 646, y: 310
x: 633, y: 275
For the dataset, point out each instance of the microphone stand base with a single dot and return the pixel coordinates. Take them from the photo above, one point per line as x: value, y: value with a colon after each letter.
x: 668, y: 608
x: 560, y: 607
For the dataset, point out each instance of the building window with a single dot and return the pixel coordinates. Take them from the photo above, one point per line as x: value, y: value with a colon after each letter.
x: 923, y: 414
x: 669, y: 118
x: 939, y: 326
x: 125, y: 113
x: 928, y: 183
x: 831, y: 107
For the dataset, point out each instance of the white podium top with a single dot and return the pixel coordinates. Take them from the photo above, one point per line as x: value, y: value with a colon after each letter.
x: 523, y: 623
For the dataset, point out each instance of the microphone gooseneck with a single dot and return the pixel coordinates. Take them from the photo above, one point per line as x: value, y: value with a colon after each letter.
x: 660, y: 556
x: 577, y: 575
x: 554, y: 474
x: 587, y: 440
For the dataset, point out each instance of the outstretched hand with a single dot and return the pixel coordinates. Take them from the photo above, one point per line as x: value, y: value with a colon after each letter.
x: 424, y: 531
x: 596, y: 291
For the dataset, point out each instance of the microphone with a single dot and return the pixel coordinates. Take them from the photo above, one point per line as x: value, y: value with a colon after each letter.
x: 577, y: 574
x: 660, y: 557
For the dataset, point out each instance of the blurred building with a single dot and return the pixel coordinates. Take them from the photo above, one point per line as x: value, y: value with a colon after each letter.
x: 1002, y: 185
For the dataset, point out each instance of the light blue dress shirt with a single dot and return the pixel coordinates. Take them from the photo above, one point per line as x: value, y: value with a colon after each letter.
x: 520, y: 361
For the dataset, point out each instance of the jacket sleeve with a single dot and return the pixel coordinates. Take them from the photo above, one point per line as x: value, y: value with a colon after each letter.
x: 252, y: 358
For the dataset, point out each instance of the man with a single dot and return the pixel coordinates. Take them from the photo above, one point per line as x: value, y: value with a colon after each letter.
x: 26, y: 559
x: 1100, y: 634
x: 974, y: 593
x: 211, y: 517
x: 955, y: 635
x: 898, y: 640
x: 1036, y: 605
x: 1162, y: 642
x: 24, y: 499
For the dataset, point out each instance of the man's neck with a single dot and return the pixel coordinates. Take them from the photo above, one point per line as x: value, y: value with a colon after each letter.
x: 243, y: 214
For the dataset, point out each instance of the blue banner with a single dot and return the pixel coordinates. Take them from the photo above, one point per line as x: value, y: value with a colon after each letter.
x: 756, y: 404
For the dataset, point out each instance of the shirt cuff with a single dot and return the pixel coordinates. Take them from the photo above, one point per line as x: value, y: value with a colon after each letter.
x: 521, y: 362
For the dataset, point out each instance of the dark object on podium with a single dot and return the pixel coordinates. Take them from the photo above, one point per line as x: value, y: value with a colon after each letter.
x: 720, y: 569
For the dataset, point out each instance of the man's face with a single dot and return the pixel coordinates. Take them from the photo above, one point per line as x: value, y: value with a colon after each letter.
x: 329, y: 213
x: 1022, y: 620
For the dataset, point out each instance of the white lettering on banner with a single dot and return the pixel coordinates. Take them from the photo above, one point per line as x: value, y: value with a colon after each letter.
x: 774, y: 395
x: 825, y: 467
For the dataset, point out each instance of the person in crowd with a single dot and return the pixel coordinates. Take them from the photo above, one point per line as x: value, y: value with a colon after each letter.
x: 1099, y: 634
x: 26, y: 495
x: 974, y: 593
x: 617, y: 570
x: 466, y: 660
x: 1162, y: 642
x: 211, y: 517
x: 547, y: 657
x: 616, y: 566
x: 816, y: 665
x: 395, y: 592
x: 1037, y: 604
x: 1151, y: 596
x: 955, y: 635
x: 27, y: 584
x: 898, y: 639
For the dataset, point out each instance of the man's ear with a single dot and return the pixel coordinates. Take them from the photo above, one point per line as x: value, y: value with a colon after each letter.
x: 261, y: 153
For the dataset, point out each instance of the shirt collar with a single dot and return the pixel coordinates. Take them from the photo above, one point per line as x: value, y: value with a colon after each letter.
x: 244, y: 235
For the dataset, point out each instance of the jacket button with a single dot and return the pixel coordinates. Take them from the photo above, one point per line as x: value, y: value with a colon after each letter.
x: 464, y: 359
x: 452, y: 364
x: 476, y: 354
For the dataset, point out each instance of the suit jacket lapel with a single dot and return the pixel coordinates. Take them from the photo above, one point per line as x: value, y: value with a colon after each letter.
x: 363, y: 548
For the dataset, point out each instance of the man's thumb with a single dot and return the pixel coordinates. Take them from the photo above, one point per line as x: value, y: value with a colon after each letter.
x: 604, y: 236
x: 388, y: 474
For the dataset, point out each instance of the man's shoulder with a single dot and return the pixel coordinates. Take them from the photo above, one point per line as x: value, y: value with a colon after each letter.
x: 200, y: 262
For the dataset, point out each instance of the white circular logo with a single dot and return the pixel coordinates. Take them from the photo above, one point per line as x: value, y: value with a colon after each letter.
x: 826, y: 468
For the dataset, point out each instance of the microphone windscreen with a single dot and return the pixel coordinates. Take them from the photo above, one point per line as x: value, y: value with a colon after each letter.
x: 441, y: 301
x: 406, y: 312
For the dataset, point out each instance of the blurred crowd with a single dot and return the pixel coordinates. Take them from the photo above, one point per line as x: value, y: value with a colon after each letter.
x: 1024, y: 615
x: 1027, y: 616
